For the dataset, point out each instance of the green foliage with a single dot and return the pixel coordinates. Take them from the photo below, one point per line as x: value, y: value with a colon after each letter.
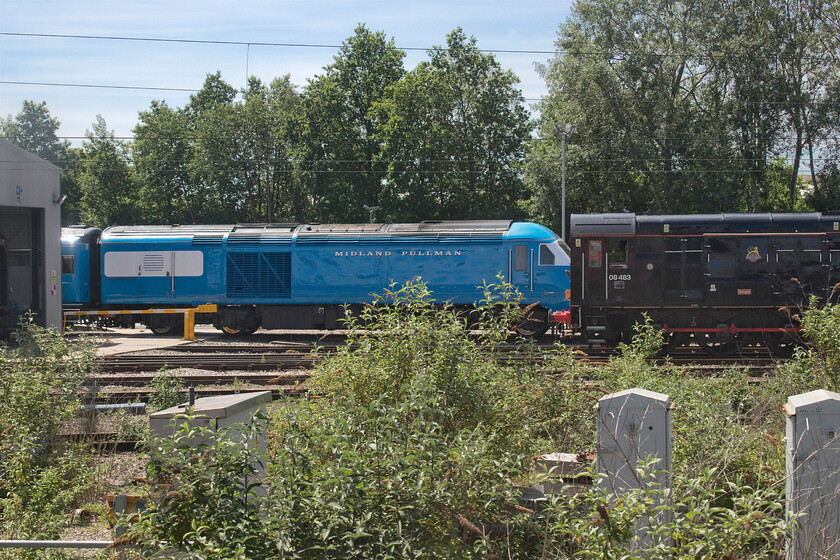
x: 219, y: 160
x: 721, y: 422
x: 705, y: 519
x: 454, y: 136
x: 340, y: 144
x: 634, y: 76
x: 390, y: 480
x: 203, y: 499
x: 419, y: 436
x: 166, y: 390
x: 105, y: 178
x: 405, y: 344
x: 34, y: 130
x: 41, y: 474
x: 821, y: 330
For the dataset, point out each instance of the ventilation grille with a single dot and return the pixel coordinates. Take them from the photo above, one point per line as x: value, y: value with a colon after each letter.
x: 266, y: 275
x: 153, y: 263
x: 208, y: 239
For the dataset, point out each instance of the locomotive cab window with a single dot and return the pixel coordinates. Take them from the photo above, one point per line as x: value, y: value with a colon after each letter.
x: 551, y: 254
x: 68, y: 264
x: 617, y: 251
x: 722, y: 255
x: 520, y: 257
x: 595, y: 254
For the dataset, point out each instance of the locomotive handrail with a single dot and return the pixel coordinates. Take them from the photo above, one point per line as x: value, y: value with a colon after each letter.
x: 189, y: 314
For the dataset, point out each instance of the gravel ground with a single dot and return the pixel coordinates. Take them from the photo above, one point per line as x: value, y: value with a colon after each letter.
x: 115, y: 472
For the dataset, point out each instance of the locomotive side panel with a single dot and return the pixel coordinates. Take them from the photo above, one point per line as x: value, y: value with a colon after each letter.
x: 151, y: 272
x: 343, y: 270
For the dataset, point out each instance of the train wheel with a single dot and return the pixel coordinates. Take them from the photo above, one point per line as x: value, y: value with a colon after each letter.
x: 718, y: 344
x: 671, y: 341
x: 236, y: 332
x: 531, y: 327
x: 535, y: 322
x: 780, y: 345
x: 164, y: 325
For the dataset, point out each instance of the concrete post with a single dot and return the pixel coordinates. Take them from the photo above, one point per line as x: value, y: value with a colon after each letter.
x: 632, y: 426
x: 813, y: 459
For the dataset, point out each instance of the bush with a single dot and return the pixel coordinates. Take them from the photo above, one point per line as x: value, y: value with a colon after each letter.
x: 203, y: 500
x: 41, y: 474
x: 409, y: 346
x: 391, y: 481
x: 688, y: 522
x: 419, y: 435
x: 386, y: 482
x: 166, y: 390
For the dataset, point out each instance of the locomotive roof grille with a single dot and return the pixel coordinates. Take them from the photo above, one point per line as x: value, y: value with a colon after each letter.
x: 476, y: 231
x: 698, y: 224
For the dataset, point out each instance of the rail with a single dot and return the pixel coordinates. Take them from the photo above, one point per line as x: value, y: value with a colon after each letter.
x: 56, y: 544
x: 189, y: 315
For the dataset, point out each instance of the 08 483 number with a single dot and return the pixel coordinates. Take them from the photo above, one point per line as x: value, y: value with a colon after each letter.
x: 620, y: 277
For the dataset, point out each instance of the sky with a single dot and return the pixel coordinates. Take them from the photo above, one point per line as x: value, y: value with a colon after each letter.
x: 210, y: 35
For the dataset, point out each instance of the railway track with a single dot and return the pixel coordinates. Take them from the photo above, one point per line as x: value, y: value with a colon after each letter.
x: 287, y: 364
x: 216, y: 362
x: 283, y: 368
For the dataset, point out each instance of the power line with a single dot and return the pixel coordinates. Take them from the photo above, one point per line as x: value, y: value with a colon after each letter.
x: 99, y: 86
x: 242, y: 43
x: 751, y: 53
x: 151, y: 88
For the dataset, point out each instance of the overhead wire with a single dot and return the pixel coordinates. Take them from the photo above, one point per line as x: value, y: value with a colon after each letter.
x: 748, y: 52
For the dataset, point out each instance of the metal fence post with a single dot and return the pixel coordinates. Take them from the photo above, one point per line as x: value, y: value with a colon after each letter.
x: 812, y: 463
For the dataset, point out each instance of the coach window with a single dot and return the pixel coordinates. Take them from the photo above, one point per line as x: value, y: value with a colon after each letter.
x: 617, y: 251
x: 68, y: 264
x: 520, y: 257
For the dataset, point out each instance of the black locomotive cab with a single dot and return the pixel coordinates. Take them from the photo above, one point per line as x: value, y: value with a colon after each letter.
x: 721, y: 281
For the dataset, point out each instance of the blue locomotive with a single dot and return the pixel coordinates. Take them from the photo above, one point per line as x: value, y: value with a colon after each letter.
x: 301, y: 276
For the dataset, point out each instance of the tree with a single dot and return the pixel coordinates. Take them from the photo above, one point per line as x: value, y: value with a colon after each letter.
x: 184, y: 158
x: 106, y: 179
x: 454, y: 135
x: 809, y: 32
x: 682, y: 106
x: 651, y: 132
x: 266, y: 138
x: 34, y: 130
x: 162, y: 151
x: 219, y: 160
x: 340, y: 150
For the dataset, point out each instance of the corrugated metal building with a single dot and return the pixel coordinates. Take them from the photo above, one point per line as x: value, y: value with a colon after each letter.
x: 30, y: 237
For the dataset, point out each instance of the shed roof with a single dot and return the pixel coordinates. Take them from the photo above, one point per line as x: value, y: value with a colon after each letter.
x: 19, y: 154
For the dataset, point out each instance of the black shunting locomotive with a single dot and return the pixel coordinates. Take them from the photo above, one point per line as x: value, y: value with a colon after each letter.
x: 721, y: 281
